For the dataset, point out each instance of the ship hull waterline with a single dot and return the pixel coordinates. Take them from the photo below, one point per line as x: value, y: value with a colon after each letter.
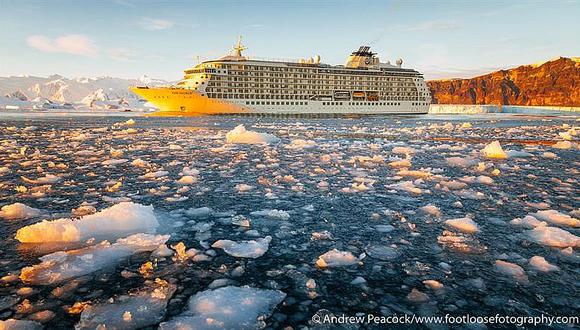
x: 185, y: 102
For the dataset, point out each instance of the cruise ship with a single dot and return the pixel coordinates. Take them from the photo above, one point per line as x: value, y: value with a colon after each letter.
x: 236, y: 84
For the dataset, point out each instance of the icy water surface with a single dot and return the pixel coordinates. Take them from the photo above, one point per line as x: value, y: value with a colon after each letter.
x: 373, y: 215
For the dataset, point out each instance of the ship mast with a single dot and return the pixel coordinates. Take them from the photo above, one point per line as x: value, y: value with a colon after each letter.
x: 238, y: 48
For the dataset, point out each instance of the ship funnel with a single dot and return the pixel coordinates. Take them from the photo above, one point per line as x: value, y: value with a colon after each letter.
x: 399, y: 62
x: 317, y: 59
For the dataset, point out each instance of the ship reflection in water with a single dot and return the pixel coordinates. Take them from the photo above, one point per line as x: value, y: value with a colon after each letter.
x: 383, y: 215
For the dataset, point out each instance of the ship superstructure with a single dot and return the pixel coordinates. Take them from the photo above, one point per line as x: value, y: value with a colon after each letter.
x: 238, y: 84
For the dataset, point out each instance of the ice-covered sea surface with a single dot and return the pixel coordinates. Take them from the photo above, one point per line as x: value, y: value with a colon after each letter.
x: 379, y: 215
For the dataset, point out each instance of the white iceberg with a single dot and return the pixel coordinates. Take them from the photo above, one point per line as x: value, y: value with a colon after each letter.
x: 494, y: 150
x: 118, y: 220
x: 244, y: 249
x: 557, y: 218
x: 64, y: 265
x: 227, y: 308
x: 240, y: 135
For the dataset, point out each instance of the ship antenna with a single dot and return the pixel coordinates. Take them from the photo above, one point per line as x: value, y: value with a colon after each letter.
x: 239, y: 47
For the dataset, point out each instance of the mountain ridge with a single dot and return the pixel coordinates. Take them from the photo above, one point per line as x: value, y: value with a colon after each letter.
x: 550, y: 83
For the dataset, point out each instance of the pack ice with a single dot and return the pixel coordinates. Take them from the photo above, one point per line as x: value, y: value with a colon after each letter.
x: 116, y: 221
x: 137, y: 310
x: 227, y: 308
x: 240, y: 135
x: 64, y: 265
x: 244, y: 249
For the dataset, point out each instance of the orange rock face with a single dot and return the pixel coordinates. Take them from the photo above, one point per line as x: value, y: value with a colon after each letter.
x: 554, y: 83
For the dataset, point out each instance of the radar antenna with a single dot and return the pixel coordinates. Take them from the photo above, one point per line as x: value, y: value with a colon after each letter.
x: 238, y: 48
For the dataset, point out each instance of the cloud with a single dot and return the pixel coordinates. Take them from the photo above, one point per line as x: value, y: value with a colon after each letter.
x: 75, y: 44
x: 121, y: 54
x: 154, y: 24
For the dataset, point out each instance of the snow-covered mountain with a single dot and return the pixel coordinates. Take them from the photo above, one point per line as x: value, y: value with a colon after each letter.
x: 97, y: 93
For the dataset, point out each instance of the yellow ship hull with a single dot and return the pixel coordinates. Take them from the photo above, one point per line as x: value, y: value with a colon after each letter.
x: 185, y: 102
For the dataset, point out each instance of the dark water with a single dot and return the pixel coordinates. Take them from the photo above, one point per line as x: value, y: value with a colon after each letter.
x: 359, y: 219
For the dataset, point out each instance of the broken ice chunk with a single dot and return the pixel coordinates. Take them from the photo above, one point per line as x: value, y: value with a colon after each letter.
x: 242, y: 136
x: 244, y: 249
x: 541, y: 264
x: 18, y: 211
x: 465, y: 225
x: 227, y: 308
x: 494, y: 150
x: 118, y: 220
x: 272, y: 214
x: 136, y: 310
x: 513, y: 270
x: 557, y: 218
x: 61, y: 266
x: 336, y: 258
x: 555, y: 237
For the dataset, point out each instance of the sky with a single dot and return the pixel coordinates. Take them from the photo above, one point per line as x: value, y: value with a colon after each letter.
x: 129, y: 38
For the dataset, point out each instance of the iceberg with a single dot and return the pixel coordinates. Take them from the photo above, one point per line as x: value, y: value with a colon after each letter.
x: 116, y: 221
x: 64, y: 265
x: 228, y: 307
x: 494, y: 150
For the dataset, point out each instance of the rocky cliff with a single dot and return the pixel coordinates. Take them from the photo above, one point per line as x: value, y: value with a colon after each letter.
x: 553, y: 83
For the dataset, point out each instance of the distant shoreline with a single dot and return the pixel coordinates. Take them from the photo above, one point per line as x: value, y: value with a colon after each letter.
x: 491, y: 108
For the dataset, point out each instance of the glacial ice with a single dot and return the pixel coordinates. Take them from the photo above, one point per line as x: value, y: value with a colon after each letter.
x: 465, y: 225
x: 13, y: 324
x: 137, y: 310
x: 494, y: 150
x: 557, y: 218
x: 272, y: 214
x: 64, y: 265
x: 244, y: 249
x: 18, y: 211
x: 542, y: 265
x: 121, y: 219
x: 239, y: 135
x: 553, y: 236
x: 227, y: 308
x: 513, y: 270
x: 336, y: 258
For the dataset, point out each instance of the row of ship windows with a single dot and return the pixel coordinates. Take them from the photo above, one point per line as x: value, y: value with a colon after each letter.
x: 327, y: 103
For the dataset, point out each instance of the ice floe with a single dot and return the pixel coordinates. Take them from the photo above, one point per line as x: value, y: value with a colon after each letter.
x: 240, y: 135
x: 18, y: 211
x: 542, y: 265
x: 227, y: 308
x: 553, y: 236
x: 116, y: 221
x: 244, y: 249
x: 494, y: 150
x: 465, y: 225
x: 64, y: 265
x: 140, y: 309
x: 336, y: 258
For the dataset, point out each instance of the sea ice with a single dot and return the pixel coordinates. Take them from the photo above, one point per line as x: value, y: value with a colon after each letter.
x: 18, y: 211
x: 240, y: 135
x: 244, y: 249
x: 272, y: 214
x: 557, y: 218
x: 64, y: 265
x: 121, y: 219
x: 13, y: 324
x: 513, y: 270
x: 336, y: 258
x: 465, y: 225
x: 301, y: 144
x: 431, y: 210
x: 227, y: 308
x: 494, y: 150
x: 541, y: 264
x: 134, y: 311
x: 553, y: 236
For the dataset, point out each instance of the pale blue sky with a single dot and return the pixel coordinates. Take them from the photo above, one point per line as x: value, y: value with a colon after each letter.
x: 128, y: 38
